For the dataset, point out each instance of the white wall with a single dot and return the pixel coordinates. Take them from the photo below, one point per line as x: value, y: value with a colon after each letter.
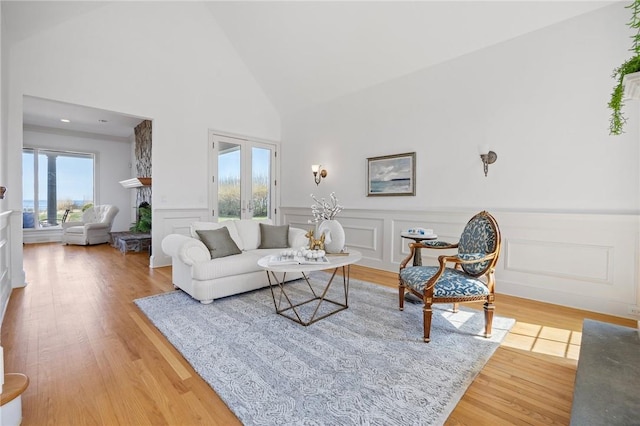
x: 565, y: 192
x: 168, y: 61
x: 4, y: 53
x: 539, y: 101
x: 112, y: 164
x: 5, y: 285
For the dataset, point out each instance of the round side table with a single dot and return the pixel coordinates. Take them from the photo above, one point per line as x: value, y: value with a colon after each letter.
x: 417, y: 257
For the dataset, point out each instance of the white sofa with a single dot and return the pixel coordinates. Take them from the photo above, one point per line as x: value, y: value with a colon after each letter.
x: 205, y: 279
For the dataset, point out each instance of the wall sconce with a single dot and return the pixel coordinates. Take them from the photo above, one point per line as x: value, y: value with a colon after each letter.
x: 487, y: 157
x: 3, y: 189
x: 318, y: 173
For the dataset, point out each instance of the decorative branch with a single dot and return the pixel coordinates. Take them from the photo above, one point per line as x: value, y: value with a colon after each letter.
x: 323, y: 210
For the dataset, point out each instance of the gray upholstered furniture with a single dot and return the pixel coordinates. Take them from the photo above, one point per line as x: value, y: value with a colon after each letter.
x: 606, y: 386
x: 93, y: 229
x: 221, y: 259
x: 467, y: 276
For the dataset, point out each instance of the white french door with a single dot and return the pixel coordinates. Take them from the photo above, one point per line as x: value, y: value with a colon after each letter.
x: 243, y: 183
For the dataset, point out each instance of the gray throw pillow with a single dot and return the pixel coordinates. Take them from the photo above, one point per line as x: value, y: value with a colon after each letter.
x: 219, y: 242
x: 272, y: 236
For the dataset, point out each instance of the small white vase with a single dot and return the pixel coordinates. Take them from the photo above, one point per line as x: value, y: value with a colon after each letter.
x: 334, y: 236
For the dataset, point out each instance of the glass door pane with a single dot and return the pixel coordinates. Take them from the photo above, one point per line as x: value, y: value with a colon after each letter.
x: 261, y: 182
x: 229, y: 181
x: 29, y: 196
x: 65, y: 183
x: 46, y: 188
x: 74, y: 176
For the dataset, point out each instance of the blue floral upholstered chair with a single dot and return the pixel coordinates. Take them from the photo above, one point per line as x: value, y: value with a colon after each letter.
x: 470, y: 279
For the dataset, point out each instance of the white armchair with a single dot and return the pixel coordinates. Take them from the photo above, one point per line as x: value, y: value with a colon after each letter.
x: 94, y: 227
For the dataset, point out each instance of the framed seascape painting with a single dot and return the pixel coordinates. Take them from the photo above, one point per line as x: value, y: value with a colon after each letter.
x: 391, y: 175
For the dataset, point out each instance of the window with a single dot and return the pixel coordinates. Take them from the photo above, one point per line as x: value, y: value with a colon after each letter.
x: 56, y: 185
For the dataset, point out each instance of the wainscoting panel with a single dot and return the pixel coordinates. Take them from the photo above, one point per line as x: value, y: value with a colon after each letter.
x: 365, y: 236
x: 5, y: 262
x: 31, y: 236
x: 362, y: 237
x: 171, y: 221
x: 5, y: 276
x: 587, y: 261
x: 563, y: 260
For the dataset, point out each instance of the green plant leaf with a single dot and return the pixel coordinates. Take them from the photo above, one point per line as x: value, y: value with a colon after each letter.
x: 616, y: 103
x: 143, y: 224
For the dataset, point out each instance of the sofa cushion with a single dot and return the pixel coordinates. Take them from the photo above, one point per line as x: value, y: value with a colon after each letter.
x: 244, y: 263
x: 219, y: 242
x: 273, y: 236
x: 229, y: 224
x: 75, y: 230
x: 249, y: 231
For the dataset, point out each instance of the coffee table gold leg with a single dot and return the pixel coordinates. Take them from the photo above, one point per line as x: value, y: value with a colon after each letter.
x: 345, y: 279
x: 277, y: 305
x: 309, y: 284
x: 321, y: 299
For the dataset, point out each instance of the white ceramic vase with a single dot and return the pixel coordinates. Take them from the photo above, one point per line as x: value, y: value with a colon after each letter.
x: 334, y: 236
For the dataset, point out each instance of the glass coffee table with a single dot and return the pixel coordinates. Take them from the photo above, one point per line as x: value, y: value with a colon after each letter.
x: 297, y: 307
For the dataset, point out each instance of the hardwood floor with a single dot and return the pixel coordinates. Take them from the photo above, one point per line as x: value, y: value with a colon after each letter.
x: 93, y: 358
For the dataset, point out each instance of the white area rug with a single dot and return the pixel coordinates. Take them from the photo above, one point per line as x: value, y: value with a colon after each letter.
x: 366, y: 365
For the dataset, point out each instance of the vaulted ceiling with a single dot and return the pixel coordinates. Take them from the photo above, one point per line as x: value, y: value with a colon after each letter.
x: 308, y: 52
x: 303, y: 53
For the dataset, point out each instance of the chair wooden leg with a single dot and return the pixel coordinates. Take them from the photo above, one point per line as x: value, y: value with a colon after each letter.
x: 401, y: 290
x: 456, y: 307
x: 489, y: 308
x: 427, y: 313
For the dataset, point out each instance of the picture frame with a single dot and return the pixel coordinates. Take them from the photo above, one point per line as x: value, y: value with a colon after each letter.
x: 391, y: 175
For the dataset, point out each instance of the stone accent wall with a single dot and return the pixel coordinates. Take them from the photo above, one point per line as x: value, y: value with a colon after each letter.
x: 143, y: 159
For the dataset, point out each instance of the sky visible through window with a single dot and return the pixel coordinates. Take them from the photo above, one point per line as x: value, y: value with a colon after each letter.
x: 74, y: 178
x: 229, y: 163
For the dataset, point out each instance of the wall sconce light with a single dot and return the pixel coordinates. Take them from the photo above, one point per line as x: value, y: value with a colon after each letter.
x: 3, y: 189
x: 318, y: 173
x: 487, y: 157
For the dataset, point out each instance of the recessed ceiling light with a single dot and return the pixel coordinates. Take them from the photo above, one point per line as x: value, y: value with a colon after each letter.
x: 65, y: 120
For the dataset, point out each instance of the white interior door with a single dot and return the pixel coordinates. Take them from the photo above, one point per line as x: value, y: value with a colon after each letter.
x: 243, y: 179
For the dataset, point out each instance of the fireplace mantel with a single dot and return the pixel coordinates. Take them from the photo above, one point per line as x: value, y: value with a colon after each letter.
x: 136, y: 182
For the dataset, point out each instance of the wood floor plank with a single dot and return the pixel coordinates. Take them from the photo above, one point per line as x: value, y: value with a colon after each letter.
x: 161, y: 346
x: 94, y: 359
